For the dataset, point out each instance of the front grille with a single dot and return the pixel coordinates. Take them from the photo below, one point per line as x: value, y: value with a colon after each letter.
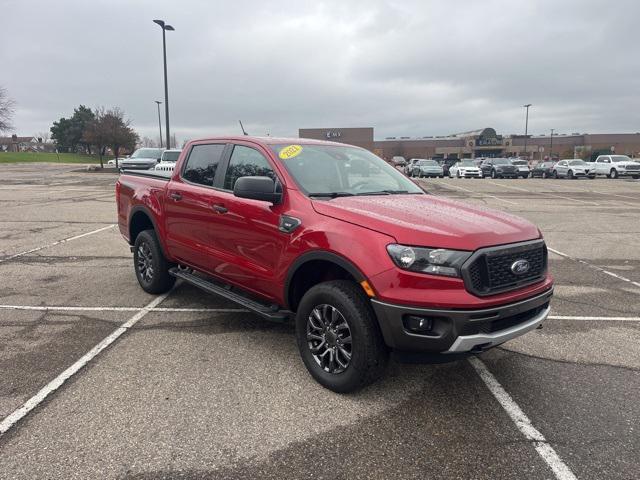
x: 489, y: 270
x: 633, y: 167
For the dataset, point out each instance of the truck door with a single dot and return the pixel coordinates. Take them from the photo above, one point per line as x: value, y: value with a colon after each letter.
x: 246, y: 232
x: 190, y: 206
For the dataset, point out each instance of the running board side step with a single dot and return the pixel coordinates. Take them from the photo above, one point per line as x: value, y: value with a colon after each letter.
x: 266, y: 311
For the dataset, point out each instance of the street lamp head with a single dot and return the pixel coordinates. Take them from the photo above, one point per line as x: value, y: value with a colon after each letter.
x: 159, y: 22
x: 527, y: 105
x: 158, y: 102
x: 169, y: 27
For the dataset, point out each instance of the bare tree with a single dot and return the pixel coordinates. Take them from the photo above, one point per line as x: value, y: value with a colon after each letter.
x: 119, y: 132
x: 95, y: 132
x: 43, y: 137
x: 7, y: 109
x: 148, y: 142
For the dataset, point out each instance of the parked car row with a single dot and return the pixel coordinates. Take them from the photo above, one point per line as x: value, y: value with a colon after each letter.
x: 157, y: 159
x: 611, y: 166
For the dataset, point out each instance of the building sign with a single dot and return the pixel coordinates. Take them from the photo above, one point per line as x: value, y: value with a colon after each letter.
x: 481, y: 142
x: 333, y: 134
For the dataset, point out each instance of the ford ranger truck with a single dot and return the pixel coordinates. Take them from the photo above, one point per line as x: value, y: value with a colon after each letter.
x: 331, y: 237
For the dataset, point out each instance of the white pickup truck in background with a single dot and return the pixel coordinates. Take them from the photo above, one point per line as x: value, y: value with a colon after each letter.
x: 614, y: 166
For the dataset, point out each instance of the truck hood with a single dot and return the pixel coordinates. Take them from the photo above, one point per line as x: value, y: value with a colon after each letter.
x: 429, y: 221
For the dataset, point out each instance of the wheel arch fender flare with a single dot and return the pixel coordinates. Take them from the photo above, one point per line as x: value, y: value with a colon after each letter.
x: 141, y: 209
x: 324, y: 255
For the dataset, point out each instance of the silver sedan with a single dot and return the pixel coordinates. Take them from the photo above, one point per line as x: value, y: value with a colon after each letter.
x: 573, y: 168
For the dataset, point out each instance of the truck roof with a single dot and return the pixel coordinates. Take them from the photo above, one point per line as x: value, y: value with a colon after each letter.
x: 270, y: 140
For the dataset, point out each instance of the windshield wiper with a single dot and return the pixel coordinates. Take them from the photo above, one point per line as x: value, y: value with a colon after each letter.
x: 331, y: 194
x: 387, y: 192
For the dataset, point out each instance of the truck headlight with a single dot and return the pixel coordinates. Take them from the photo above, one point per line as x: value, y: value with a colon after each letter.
x: 434, y: 261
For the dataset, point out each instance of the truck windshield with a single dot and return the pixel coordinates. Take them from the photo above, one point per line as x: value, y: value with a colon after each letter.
x: 428, y: 163
x: 331, y: 171
x: 620, y: 158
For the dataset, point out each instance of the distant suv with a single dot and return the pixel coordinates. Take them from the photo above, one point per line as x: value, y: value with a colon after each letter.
x: 523, y: 167
x: 499, y: 168
x: 167, y: 162
x: 142, y: 159
x: 614, y: 166
x: 361, y: 260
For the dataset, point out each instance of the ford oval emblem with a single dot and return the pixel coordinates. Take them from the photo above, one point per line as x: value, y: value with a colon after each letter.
x: 520, y: 267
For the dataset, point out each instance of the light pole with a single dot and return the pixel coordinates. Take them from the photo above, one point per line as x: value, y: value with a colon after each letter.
x: 526, y: 128
x: 159, y: 122
x: 551, y: 147
x: 165, y: 27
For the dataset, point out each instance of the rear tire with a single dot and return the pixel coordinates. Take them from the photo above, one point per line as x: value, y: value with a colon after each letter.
x: 150, y: 264
x: 555, y: 174
x: 367, y: 355
x: 570, y: 174
x: 544, y: 175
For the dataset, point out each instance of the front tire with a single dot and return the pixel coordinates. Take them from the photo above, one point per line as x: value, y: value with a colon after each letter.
x: 555, y: 174
x: 493, y: 174
x: 614, y: 173
x: 570, y: 174
x: 544, y: 175
x: 150, y: 264
x: 338, y: 337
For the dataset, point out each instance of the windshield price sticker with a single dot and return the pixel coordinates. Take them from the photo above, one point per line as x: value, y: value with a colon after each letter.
x: 289, y: 152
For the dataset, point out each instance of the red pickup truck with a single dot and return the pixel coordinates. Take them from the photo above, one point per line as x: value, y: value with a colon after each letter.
x: 328, y: 235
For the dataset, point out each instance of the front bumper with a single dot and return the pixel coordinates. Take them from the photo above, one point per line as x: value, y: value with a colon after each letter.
x: 470, y: 173
x: 461, y: 331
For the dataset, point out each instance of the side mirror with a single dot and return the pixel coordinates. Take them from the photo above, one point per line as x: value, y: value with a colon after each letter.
x: 257, y: 188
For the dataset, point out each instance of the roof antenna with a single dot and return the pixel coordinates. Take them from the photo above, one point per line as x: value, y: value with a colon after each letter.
x: 243, y: 131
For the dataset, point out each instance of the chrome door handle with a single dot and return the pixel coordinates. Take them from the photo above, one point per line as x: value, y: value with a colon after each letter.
x: 176, y: 195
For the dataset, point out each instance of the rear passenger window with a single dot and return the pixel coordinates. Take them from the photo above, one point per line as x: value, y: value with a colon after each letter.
x: 246, y: 162
x: 202, y: 164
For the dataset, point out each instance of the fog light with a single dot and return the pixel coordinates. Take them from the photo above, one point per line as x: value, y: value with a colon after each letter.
x: 417, y: 324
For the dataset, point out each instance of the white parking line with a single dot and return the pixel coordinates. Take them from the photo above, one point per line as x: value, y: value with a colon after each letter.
x: 56, y: 308
x: 544, y: 449
x: 544, y: 193
x: 595, y: 267
x: 598, y: 319
x: 57, y: 382
x: 446, y: 185
x: 58, y: 242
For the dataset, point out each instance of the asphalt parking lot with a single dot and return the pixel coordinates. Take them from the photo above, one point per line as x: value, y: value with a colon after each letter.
x: 194, y: 387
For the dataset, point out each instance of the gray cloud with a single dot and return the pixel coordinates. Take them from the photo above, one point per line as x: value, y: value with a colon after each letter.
x: 407, y: 68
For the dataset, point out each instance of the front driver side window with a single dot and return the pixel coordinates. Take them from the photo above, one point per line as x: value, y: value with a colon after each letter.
x: 246, y: 162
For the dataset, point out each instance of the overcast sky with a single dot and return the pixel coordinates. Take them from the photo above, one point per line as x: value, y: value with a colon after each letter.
x: 410, y: 68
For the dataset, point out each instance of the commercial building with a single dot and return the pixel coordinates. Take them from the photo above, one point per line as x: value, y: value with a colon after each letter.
x: 485, y: 142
